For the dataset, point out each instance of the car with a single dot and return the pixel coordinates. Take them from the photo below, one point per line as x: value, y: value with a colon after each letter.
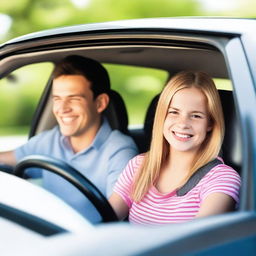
x: 146, y: 52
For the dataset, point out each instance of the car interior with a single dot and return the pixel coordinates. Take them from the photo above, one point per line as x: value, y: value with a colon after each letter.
x: 169, y: 58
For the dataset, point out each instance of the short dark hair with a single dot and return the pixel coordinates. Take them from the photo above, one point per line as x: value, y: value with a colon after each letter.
x: 91, y: 69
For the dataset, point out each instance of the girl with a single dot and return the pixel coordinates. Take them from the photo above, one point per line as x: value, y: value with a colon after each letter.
x: 187, y: 134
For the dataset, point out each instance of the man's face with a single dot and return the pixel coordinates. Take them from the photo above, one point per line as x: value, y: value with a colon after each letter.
x: 74, y: 107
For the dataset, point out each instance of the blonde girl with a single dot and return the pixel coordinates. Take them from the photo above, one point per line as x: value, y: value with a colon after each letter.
x: 187, y: 134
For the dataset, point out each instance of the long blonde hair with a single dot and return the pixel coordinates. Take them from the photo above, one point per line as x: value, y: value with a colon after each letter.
x: 159, y: 147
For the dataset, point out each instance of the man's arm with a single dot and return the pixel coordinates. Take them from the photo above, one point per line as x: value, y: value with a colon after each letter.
x: 8, y: 157
x: 119, y: 206
x: 116, y: 165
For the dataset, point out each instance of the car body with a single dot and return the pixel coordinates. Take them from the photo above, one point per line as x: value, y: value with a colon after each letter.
x: 224, y: 48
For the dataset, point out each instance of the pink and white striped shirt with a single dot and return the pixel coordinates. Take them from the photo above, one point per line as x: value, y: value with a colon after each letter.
x: 157, y: 208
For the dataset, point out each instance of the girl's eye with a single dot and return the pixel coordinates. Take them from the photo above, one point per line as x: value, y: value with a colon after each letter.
x: 173, y: 112
x: 196, y: 116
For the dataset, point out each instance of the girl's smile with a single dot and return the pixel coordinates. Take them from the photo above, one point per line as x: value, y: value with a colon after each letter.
x: 182, y: 136
x: 187, y: 121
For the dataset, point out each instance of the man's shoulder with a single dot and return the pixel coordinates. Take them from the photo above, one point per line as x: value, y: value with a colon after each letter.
x: 120, y: 139
x: 48, y: 134
x: 38, y: 144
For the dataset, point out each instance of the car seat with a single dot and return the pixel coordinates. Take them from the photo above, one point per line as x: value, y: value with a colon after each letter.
x: 116, y: 112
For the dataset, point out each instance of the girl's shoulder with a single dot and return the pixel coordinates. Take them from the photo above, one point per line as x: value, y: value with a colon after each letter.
x: 138, y: 159
x: 222, y: 171
x: 221, y: 178
x: 134, y: 165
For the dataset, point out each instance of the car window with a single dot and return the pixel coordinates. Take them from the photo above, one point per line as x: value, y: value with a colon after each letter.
x: 19, y: 95
x: 137, y: 87
x: 223, y: 84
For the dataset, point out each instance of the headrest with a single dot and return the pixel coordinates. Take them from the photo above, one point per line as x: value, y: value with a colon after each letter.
x: 149, y: 120
x: 232, y: 143
x: 116, y: 112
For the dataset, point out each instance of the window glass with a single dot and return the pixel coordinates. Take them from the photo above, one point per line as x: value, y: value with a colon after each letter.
x: 19, y: 95
x: 137, y: 87
x: 223, y: 84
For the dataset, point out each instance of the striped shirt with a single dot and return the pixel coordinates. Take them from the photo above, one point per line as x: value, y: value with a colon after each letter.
x: 157, y: 208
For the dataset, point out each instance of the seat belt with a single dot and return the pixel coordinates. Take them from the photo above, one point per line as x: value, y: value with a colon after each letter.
x: 197, y: 176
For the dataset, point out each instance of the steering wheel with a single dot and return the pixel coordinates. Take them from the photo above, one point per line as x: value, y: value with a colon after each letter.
x: 6, y: 168
x: 74, y: 177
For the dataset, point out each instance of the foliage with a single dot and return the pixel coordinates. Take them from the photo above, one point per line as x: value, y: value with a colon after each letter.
x: 34, y: 15
x: 134, y: 82
x: 20, y: 92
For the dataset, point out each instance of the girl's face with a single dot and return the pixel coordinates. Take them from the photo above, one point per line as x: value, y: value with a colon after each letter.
x: 187, y: 120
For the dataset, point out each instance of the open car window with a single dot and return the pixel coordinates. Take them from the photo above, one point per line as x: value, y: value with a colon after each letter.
x: 223, y: 84
x: 20, y: 92
x: 137, y: 86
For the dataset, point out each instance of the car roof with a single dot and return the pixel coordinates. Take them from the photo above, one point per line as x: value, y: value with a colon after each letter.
x: 211, y: 25
x: 154, y: 43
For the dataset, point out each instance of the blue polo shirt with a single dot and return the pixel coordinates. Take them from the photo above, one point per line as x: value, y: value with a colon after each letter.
x: 101, y: 163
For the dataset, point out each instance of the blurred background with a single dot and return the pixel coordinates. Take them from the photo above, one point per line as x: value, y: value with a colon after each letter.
x: 19, y: 17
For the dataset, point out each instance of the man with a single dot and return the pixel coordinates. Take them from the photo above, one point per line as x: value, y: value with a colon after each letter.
x: 83, y: 137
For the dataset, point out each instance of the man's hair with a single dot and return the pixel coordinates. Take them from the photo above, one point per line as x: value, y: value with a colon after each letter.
x: 92, y: 70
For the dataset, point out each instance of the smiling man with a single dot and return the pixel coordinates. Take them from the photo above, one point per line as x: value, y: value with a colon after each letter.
x: 83, y: 137
x: 76, y: 110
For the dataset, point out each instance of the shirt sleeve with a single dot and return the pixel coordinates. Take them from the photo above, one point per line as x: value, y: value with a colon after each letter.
x: 33, y: 146
x: 119, y: 158
x: 124, y: 183
x: 221, y: 179
x: 29, y: 148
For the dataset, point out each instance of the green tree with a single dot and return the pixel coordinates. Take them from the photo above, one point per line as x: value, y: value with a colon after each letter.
x: 34, y: 15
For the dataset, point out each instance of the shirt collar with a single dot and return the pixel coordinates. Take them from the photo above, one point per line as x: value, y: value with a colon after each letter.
x: 99, y: 139
x: 102, y: 134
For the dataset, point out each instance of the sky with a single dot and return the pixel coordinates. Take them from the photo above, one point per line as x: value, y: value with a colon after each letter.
x: 80, y: 3
x: 219, y: 5
x: 5, y: 22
